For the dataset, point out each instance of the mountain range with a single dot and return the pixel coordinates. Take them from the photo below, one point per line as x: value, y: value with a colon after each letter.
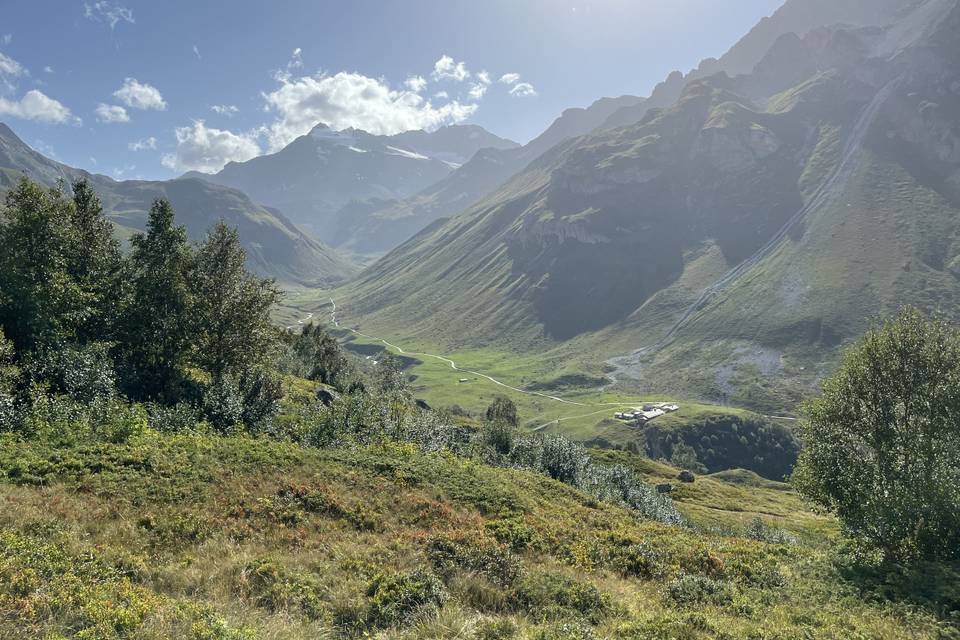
x: 736, y: 238
x: 275, y: 246
x: 317, y: 174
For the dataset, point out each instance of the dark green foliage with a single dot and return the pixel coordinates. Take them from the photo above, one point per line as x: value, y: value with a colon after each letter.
x: 689, y: 590
x: 9, y: 376
x: 494, y: 562
x: 156, y: 327
x: 40, y: 302
x: 719, y: 442
x: 502, y: 409
x: 83, y: 373
x: 882, y: 445
x: 390, y: 379
x: 231, y: 330
x: 316, y: 355
x: 95, y: 264
x: 395, y: 598
x: 552, y: 596
x: 684, y: 457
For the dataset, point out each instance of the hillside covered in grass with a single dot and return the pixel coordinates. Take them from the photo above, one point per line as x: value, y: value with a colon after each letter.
x: 201, y: 536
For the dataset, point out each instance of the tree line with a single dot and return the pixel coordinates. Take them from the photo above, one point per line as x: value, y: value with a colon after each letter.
x: 167, y: 323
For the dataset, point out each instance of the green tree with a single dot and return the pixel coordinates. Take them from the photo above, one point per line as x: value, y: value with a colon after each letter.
x: 502, y: 409
x: 320, y: 355
x: 94, y: 263
x: 231, y: 324
x: 40, y: 303
x: 882, y: 444
x: 155, y: 337
x: 390, y: 379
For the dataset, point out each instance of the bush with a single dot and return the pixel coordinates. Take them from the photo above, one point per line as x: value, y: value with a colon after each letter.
x: 395, y: 598
x: 179, y: 418
x: 490, y: 560
x: 503, y: 410
x: 690, y: 590
x: 85, y: 374
x: 760, y: 530
x: 223, y: 404
x: 273, y: 587
x: 551, y: 596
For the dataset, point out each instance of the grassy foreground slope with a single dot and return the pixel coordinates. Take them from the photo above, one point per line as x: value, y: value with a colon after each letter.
x: 204, y: 537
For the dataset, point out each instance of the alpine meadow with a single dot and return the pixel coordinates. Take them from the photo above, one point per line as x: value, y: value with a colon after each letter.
x: 480, y: 321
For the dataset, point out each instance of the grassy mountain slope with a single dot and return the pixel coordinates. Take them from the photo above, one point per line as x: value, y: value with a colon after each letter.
x: 204, y: 537
x: 612, y: 242
x: 375, y: 227
x: 275, y: 246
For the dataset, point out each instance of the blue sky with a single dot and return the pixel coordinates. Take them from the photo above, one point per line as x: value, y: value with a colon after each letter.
x: 154, y: 88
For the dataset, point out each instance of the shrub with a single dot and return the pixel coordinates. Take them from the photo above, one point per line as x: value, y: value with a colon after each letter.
x: 513, y: 533
x: 178, y: 418
x: 396, y: 597
x: 84, y: 374
x: 492, y: 561
x: 275, y: 588
x: 760, y: 530
x: 552, y: 596
x: 223, y: 404
x: 690, y: 590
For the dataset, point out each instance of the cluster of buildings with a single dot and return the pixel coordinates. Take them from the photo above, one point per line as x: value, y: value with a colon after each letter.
x: 647, y: 413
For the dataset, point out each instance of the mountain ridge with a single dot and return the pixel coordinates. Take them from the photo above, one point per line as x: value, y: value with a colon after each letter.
x: 275, y: 246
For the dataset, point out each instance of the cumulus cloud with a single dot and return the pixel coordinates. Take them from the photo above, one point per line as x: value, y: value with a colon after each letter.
x: 138, y: 95
x: 110, y: 13
x: 352, y: 100
x: 109, y: 113
x: 36, y: 106
x: 447, y: 69
x: 479, y: 88
x: 147, y: 144
x: 415, y: 83
x: 202, y: 148
x: 224, y: 109
x: 523, y: 90
x: 510, y: 78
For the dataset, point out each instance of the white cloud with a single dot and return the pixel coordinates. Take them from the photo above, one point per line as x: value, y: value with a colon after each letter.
x: 296, y: 60
x: 447, y: 69
x: 415, y: 83
x: 510, y: 78
x: 201, y: 148
x: 441, y: 95
x: 108, y: 12
x: 224, y: 109
x: 109, y: 113
x: 196, y: 52
x: 140, y: 95
x: 35, y: 105
x: 119, y: 173
x: 48, y: 69
x: 10, y: 67
x: 523, y: 90
x: 352, y: 100
x: 6, y: 39
x: 479, y: 88
x: 143, y: 145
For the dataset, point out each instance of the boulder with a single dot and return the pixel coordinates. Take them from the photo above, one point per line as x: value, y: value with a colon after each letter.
x: 327, y: 396
x: 422, y: 404
x: 686, y: 476
x: 666, y: 487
